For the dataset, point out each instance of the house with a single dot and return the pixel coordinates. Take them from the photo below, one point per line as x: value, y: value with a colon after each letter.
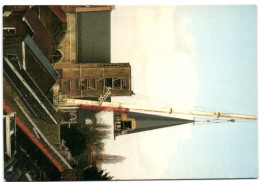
x: 33, y: 42
x: 93, y: 79
x: 93, y: 26
x: 38, y: 66
x: 28, y: 76
x: 12, y: 21
x: 54, y: 20
x: 86, y: 47
x: 69, y: 116
x: 40, y: 35
x: 10, y: 150
x: 26, y: 51
x: 26, y: 38
x: 46, y: 24
x: 35, y: 139
x: 28, y: 91
x: 88, y: 35
x: 57, y: 10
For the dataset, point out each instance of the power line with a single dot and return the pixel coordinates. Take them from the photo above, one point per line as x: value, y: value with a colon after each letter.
x: 167, y: 102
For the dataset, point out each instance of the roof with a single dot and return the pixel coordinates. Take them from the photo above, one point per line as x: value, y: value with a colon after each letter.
x: 146, y: 122
x: 41, y: 57
x: 58, y: 12
x: 90, y: 8
x: 19, y: 8
x: 21, y: 29
x: 29, y: 92
x: 39, y: 132
x: 48, y: 150
x: 41, y: 36
x: 34, y: 128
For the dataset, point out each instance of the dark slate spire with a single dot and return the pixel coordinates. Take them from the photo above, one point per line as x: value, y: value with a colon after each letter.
x: 146, y: 122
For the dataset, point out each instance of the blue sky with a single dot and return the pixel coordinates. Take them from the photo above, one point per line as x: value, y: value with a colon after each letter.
x: 225, y: 48
x: 225, y: 51
x: 193, y: 57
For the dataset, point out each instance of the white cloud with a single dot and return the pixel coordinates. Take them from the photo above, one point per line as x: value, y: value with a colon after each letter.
x: 159, y: 48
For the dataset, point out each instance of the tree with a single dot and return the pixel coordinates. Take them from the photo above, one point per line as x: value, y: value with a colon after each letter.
x: 107, y: 158
x: 102, y: 126
x: 99, y: 147
x: 91, y: 132
x: 82, y: 160
x: 94, y: 173
x: 100, y: 134
x: 65, y: 152
x: 75, y: 140
x: 99, y: 126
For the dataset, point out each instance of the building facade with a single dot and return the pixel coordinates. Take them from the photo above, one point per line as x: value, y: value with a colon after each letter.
x: 87, y: 38
x: 32, y: 37
x: 93, y: 79
x: 69, y: 116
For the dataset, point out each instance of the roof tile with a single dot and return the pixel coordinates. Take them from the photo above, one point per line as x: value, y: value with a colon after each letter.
x: 41, y: 36
x: 58, y: 12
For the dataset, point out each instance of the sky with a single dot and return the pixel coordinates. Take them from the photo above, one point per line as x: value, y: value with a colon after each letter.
x: 200, y: 57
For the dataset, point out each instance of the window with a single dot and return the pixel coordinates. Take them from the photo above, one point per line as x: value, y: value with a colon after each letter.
x: 126, y: 83
x: 12, y: 123
x: 84, y: 84
x: 119, y: 125
x: 10, y: 134
x: 117, y: 117
x: 111, y: 65
x: 7, y: 13
x: 92, y: 83
x: 74, y: 84
x: 13, y: 144
x: 100, y: 83
x: 65, y: 84
x: 72, y: 116
x: 117, y: 83
x: 7, y: 30
x: 56, y: 56
x: 108, y: 82
x: 127, y: 125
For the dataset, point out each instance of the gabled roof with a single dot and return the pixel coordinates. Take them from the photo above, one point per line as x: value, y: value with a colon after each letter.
x: 41, y: 57
x: 19, y: 8
x: 42, y: 143
x: 58, y: 12
x: 34, y: 128
x: 40, y: 35
x: 29, y: 92
x: 21, y: 29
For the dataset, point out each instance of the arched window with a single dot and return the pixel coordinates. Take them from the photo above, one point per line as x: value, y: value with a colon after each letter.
x: 72, y: 117
x: 56, y: 56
